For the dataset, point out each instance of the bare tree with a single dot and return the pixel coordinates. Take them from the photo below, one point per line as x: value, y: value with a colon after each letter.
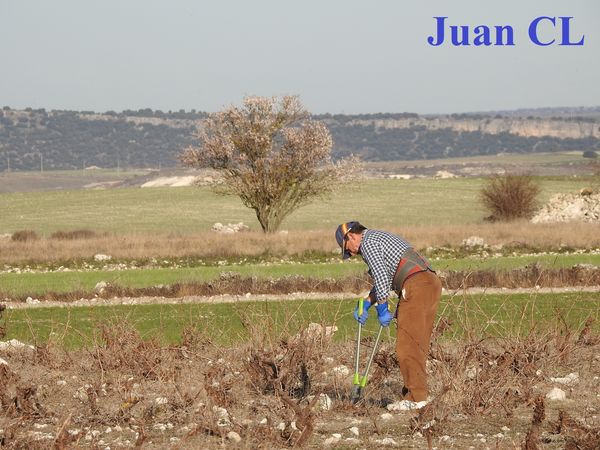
x: 270, y: 154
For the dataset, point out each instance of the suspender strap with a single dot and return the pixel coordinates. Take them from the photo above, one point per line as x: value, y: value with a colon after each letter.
x: 410, y: 264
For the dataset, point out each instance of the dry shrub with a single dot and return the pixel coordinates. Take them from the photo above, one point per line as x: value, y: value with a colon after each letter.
x: 526, y: 277
x: 509, y: 197
x: 533, y: 435
x: 230, y: 284
x: 74, y: 234
x: 585, y: 336
x: 577, y: 435
x: 24, y: 236
x: 287, y: 366
x: 285, y: 363
x: 123, y: 348
x: 18, y: 398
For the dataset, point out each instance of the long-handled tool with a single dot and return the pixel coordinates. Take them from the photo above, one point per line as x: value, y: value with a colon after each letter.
x: 358, y: 381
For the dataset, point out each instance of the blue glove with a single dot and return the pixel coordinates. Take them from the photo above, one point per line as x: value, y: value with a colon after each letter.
x: 362, y: 318
x: 383, y: 314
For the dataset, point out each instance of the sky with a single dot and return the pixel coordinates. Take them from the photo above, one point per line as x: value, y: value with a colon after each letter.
x: 338, y: 56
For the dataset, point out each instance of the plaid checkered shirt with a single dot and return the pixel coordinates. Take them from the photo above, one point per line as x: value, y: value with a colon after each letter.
x: 382, y: 252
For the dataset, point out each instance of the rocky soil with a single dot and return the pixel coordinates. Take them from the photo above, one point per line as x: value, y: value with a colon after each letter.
x: 289, y: 391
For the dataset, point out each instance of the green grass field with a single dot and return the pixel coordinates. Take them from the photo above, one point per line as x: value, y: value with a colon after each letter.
x: 377, y: 203
x: 497, y: 315
x: 32, y: 284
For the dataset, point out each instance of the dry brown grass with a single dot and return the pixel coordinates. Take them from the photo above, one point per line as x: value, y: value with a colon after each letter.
x: 210, y: 245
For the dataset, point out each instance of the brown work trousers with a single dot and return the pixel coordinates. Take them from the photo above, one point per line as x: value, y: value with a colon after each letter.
x: 416, y: 315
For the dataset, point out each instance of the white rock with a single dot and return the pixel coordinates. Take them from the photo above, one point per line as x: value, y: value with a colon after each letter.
x: 174, y: 181
x: 406, y: 405
x: 429, y: 424
x: 444, y: 174
x: 568, y: 207
x: 556, y: 394
x: 386, y: 416
x: 81, y: 394
x: 101, y: 257
x: 473, y: 241
x: 572, y: 378
x: 222, y: 416
x: 354, y: 431
x: 334, y: 439
x: 472, y: 372
x: 31, y: 301
x: 15, y: 345
x: 341, y: 370
x: 100, y: 287
x: 387, y: 441
x: 230, y: 228
x: 161, y: 401
x: 3, y: 362
x: 325, y: 403
x: 234, y: 437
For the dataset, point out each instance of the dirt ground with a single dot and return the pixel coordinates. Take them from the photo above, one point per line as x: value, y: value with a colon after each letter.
x: 293, y: 391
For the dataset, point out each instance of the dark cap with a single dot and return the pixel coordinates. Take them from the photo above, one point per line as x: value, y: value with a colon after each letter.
x: 340, y: 237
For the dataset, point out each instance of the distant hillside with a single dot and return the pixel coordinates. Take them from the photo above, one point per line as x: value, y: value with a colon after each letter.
x: 34, y: 139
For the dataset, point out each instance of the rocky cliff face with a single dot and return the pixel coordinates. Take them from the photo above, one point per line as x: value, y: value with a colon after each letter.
x: 573, y: 129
